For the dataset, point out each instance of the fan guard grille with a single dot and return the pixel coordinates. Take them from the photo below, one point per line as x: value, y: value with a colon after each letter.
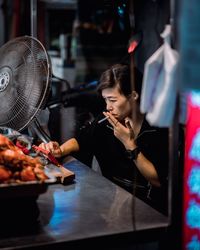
x: 25, y: 73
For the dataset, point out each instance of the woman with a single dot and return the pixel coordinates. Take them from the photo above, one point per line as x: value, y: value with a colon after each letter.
x: 129, y: 151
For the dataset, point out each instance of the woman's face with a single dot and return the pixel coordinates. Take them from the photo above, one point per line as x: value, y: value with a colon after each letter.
x: 116, y: 103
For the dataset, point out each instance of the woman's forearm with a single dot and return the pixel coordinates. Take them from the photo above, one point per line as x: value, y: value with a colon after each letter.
x: 147, y: 169
x: 69, y: 147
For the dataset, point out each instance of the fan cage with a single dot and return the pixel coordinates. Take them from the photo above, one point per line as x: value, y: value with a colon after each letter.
x: 27, y: 67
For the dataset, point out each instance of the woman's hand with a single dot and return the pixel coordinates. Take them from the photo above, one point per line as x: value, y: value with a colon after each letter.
x: 124, y: 133
x: 53, y: 147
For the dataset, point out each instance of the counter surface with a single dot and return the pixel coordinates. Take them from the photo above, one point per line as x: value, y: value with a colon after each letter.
x: 85, y: 212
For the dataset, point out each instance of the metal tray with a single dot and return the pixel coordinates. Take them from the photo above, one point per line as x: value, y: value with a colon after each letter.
x: 26, y: 189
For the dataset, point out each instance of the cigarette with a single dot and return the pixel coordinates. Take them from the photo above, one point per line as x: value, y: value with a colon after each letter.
x: 103, y: 119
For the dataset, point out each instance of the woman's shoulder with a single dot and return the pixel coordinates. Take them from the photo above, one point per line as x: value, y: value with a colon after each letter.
x: 147, y: 127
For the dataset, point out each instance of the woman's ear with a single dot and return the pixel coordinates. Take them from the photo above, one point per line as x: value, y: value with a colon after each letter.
x: 134, y: 95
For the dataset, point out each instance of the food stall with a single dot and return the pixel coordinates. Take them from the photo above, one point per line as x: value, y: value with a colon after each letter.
x: 73, y: 215
x: 54, y: 215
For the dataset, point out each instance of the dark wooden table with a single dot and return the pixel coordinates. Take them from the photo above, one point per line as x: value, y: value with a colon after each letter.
x: 88, y: 212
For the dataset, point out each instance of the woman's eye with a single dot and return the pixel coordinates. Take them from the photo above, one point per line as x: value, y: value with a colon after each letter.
x: 110, y: 100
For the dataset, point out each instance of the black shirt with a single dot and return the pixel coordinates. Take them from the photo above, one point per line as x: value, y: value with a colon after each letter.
x: 98, y: 140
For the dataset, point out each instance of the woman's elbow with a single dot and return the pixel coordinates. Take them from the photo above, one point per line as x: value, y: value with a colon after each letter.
x: 155, y: 183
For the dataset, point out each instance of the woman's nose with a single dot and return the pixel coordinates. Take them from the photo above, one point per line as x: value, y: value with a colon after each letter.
x: 109, y: 107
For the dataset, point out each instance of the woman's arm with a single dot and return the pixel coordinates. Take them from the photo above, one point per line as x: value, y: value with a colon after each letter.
x: 146, y: 167
x: 58, y: 151
x: 126, y: 135
x: 69, y: 146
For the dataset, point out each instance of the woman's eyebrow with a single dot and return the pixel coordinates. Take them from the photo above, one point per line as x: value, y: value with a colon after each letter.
x: 109, y: 97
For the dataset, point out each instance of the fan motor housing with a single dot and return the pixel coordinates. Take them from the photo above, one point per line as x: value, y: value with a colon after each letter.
x: 4, y: 80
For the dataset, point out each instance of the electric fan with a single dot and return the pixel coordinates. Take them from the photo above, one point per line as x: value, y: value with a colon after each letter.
x: 25, y: 76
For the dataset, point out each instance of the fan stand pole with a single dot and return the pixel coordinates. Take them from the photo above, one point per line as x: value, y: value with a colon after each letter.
x: 39, y: 131
x: 43, y: 136
x: 34, y: 18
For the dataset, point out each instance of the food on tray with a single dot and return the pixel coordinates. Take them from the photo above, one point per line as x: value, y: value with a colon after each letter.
x: 15, y: 166
x: 6, y: 143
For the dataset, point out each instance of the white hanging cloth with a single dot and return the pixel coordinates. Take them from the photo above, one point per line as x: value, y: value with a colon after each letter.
x: 159, y: 88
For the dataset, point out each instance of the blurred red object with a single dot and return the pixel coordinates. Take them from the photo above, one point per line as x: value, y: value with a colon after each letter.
x: 23, y: 148
x: 132, y: 46
x: 46, y: 154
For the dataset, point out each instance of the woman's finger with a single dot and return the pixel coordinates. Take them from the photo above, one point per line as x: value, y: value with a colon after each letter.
x: 128, y: 125
x: 112, y: 120
x: 42, y: 145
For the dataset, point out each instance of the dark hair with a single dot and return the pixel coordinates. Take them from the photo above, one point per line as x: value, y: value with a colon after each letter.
x: 120, y: 74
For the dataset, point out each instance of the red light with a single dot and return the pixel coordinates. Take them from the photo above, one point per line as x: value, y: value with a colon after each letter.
x: 191, y: 199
